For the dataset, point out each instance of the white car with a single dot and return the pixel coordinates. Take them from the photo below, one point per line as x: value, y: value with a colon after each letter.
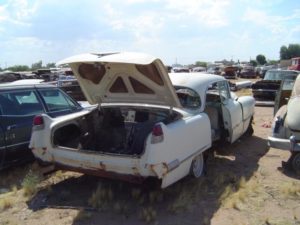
x: 286, y: 123
x: 147, y: 123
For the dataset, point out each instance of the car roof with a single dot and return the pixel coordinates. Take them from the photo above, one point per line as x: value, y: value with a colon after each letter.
x: 196, y: 81
x: 276, y: 70
x: 13, y: 86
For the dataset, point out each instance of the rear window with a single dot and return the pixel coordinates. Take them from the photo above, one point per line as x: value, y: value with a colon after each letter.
x: 188, y: 97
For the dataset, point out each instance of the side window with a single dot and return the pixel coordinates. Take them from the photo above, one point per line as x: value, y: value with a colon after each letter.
x: 56, y: 100
x: 223, y: 90
x: 20, y: 103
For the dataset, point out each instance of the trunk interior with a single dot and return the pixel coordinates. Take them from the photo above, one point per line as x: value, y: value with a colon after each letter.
x: 114, y: 130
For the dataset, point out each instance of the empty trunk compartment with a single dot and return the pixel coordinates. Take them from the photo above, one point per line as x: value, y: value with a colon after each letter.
x: 112, y: 130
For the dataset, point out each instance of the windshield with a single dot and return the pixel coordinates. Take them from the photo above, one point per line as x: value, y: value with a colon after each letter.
x: 278, y: 75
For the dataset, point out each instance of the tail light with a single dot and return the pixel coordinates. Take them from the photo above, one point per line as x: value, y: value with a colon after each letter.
x: 38, y: 122
x: 157, y: 134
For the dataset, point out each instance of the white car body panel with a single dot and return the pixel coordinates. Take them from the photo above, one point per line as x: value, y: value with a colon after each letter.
x: 123, y: 65
x: 286, y: 123
x: 183, y: 139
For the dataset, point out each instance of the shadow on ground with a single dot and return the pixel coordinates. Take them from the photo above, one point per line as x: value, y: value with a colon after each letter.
x: 189, y: 201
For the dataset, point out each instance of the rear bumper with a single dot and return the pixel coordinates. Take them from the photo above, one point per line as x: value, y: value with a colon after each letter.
x: 284, y: 144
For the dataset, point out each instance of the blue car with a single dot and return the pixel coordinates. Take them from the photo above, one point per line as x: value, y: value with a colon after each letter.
x: 19, y: 104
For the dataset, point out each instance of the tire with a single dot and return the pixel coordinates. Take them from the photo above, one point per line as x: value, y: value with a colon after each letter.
x: 249, y: 132
x: 197, y: 166
x: 296, y: 162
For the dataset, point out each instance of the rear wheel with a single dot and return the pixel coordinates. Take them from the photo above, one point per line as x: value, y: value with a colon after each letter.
x: 296, y: 162
x: 197, y: 166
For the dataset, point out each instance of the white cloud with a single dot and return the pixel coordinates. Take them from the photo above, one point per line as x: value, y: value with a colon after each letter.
x: 206, y: 12
x: 142, y: 26
x: 260, y: 18
x: 17, y: 12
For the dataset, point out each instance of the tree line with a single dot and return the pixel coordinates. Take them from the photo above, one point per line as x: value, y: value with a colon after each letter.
x: 293, y: 50
x: 35, y: 66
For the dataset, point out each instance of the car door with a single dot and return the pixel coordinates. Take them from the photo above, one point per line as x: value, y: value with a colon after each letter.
x: 2, y: 147
x: 232, y: 112
x: 283, y: 93
x: 18, y: 110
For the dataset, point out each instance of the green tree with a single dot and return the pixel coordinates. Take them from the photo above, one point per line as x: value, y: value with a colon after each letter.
x: 50, y: 65
x: 253, y: 62
x: 200, y: 63
x: 294, y: 50
x: 37, y: 65
x: 284, y: 53
x: 261, y: 59
x: 273, y: 62
x: 18, y: 68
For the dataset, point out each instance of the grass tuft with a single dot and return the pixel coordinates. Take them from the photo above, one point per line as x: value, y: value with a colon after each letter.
x: 101, y: 198
x: 136, y: 193
x: 291, y: 189
x: 83, y: 215
x: 148, y: 214
x: 30, y: 183
x: 6, y: 203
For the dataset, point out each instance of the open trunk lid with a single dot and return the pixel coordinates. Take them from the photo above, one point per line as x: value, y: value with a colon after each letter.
x: 123, y: 78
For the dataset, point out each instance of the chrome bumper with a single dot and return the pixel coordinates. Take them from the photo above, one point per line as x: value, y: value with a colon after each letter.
x: 284, y: 144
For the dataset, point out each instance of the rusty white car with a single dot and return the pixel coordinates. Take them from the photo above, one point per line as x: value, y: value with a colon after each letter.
x: 286, y: 127
x: 147, y: 123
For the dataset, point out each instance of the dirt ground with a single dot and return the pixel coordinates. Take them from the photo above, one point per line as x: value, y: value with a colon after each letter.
x: 244, y: 184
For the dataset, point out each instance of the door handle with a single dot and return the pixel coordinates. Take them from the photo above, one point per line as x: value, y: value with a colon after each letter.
x: 11, y: 127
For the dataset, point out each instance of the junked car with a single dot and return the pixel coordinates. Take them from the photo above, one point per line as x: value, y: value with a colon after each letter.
x: 266, y: 89
x: 229, y: 72
x: 148, y: 123
x: 286, y: 127
x: 247, y: 72
x: 20, y: 102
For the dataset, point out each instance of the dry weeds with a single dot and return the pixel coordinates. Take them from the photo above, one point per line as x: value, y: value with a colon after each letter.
x: 30, y: 183
x: 148, y: 214
x: 83, y: 215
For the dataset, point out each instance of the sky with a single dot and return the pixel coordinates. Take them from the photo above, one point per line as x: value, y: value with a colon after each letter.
x: 182, y: 31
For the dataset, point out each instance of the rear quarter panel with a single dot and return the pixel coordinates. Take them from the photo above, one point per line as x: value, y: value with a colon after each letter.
x: 183, y: 140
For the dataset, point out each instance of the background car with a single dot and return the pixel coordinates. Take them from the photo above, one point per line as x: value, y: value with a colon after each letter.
x: 248, y: 72
x: 19, y: 104
x: 229, y: 72
x: 266, y: 89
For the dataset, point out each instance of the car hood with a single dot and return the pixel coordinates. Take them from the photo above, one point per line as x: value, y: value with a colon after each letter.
x: 123, y: 78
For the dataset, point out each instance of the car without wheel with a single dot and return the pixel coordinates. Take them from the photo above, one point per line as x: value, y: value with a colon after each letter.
x: 20, y: 102
x: 148, y: 123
